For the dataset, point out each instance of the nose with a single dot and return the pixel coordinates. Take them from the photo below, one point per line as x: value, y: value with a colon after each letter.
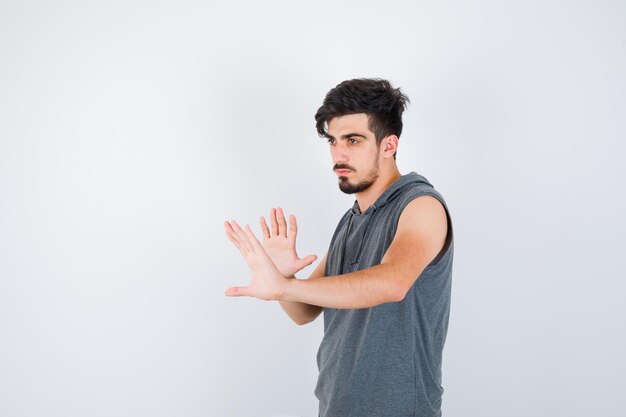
x: 338, y: 153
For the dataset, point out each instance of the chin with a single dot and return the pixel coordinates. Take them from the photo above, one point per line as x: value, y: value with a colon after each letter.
x: 350, y: 188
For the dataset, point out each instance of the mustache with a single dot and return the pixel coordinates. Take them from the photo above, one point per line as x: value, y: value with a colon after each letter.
x: 343, y: 166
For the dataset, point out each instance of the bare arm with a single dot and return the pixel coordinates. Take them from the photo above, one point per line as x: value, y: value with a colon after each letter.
x: 279, y: 243
x: 303, y: 313
x: 419, y: 238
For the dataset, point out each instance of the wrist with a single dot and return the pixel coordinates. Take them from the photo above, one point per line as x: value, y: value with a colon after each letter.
x: 287, y: 294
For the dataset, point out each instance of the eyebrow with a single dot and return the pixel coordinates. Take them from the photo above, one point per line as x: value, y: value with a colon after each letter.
x: 349, y: 135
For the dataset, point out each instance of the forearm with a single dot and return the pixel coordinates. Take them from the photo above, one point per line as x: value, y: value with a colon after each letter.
x: 300, y: 313
x: 366, y: 288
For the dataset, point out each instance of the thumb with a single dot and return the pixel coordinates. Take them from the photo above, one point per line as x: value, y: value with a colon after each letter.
x: 236, y: 291
x: 308, y: 260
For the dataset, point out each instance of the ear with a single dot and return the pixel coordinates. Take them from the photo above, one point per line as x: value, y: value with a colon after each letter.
x: 390, y: 145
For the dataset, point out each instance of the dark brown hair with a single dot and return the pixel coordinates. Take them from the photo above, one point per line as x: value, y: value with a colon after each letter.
x: 375, y: 97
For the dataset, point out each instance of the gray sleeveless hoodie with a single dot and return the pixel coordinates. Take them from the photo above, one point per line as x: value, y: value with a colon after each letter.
x: 385, y: 361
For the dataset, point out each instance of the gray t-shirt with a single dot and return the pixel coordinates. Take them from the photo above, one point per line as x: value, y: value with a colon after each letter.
x: 385, y: 361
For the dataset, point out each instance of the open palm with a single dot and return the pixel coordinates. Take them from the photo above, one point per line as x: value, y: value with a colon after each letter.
x: 280, y: 244
x: 266, y: 281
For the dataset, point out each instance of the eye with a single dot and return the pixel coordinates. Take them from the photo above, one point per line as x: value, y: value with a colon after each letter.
x: 330, y: 141
x: 353, y: 141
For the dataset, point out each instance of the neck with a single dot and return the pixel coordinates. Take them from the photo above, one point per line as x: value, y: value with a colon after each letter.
x: 368, y: 197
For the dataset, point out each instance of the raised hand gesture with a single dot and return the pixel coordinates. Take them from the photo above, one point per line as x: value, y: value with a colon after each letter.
x: 280, y: 245
x: 266, y: 281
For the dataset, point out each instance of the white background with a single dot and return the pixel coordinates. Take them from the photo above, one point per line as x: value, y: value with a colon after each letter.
x: 129, y: 131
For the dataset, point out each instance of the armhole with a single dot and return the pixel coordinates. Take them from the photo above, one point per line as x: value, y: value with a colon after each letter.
x: 449, y: 234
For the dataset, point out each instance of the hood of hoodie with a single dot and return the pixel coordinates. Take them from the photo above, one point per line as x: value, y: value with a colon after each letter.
x: 355, y: 215
x: 393, y: 191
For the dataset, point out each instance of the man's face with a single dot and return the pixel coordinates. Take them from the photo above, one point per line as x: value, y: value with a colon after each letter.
x: 354, y: 152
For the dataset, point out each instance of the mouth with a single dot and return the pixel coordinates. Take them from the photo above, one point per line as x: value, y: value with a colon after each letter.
x: 343, y: 172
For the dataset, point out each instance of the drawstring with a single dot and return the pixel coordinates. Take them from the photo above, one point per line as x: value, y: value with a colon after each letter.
x: 344, y: 243
x: 365, y: 230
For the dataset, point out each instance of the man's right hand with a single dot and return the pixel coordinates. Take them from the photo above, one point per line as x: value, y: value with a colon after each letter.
x: 280, y: 244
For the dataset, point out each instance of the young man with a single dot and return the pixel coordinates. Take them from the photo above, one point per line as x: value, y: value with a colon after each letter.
x: 384, y: 284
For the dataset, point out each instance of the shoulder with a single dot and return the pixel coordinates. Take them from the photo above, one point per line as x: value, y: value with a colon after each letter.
x: 424, y: 207
x: 424, y: 217
x: 419, y: 238
x: 422, y: 230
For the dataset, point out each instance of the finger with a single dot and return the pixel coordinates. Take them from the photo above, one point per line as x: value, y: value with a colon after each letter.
x: 282, y: 224
x: 309, y: 259
x: 264, y: 229
x: 231, y: 234
x: 306, y: 261
x: 253, y: 240
x: 232, y: 239
x: 293, y: 226
x: 273, y: 221
x: 244, y: 240
x: 237, y: 291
